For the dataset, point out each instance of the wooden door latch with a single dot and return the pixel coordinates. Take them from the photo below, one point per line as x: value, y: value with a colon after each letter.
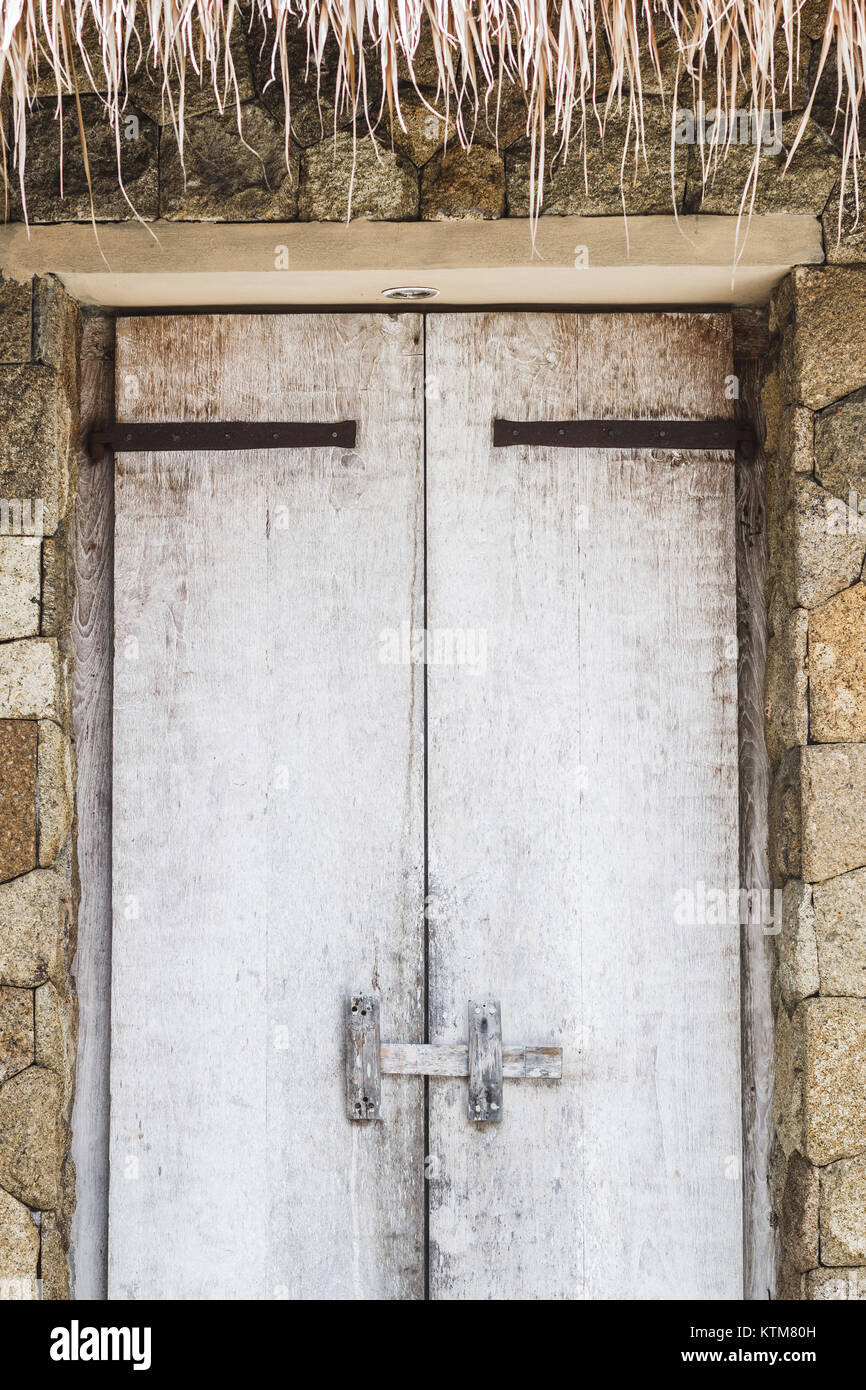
x: 484, y: 1060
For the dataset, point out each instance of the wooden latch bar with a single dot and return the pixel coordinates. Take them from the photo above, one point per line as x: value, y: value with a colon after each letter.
x: 191, y: 435
x: 628, y: 434
x: 485, y: 1060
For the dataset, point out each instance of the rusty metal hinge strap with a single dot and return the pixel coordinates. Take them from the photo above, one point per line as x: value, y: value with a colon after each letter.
x: 181, y: 436
x: 627, y: 434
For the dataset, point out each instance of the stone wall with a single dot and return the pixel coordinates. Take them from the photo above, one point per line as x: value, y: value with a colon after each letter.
x: 38, y: 393
x: 416, y: 172
x: 815, y: 402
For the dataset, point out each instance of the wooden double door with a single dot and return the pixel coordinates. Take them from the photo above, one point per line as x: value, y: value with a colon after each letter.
x: 310, y: 799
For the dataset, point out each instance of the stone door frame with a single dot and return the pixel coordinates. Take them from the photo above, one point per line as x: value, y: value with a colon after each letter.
x: 799, y: 374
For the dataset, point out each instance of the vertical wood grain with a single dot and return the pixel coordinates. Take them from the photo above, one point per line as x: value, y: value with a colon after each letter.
x: 760, y: 1236
x: 92, y: 543
x: 268, y: 815
x: 580, y: 779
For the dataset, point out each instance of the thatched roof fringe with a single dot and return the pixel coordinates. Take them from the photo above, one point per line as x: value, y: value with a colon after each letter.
x: 723, y: 53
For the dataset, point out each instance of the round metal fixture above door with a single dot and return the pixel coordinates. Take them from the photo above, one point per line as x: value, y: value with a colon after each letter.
x: 410, y: 292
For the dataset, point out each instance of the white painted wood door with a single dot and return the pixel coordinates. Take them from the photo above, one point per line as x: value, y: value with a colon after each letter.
x: 578, y: 710
x: 268, y: 814
x: 577, y: 784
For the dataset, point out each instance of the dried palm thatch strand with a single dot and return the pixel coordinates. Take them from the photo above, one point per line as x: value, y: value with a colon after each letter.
x: 554, y: 50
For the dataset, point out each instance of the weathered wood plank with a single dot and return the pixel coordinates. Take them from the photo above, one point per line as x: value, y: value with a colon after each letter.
x: 92, y: 545
x: 263, y: 870
x: 760, y: 1238
x: 580, y: 779
x: 363, y: 1075
x: 484, y: 1093
x: 751, y: 330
